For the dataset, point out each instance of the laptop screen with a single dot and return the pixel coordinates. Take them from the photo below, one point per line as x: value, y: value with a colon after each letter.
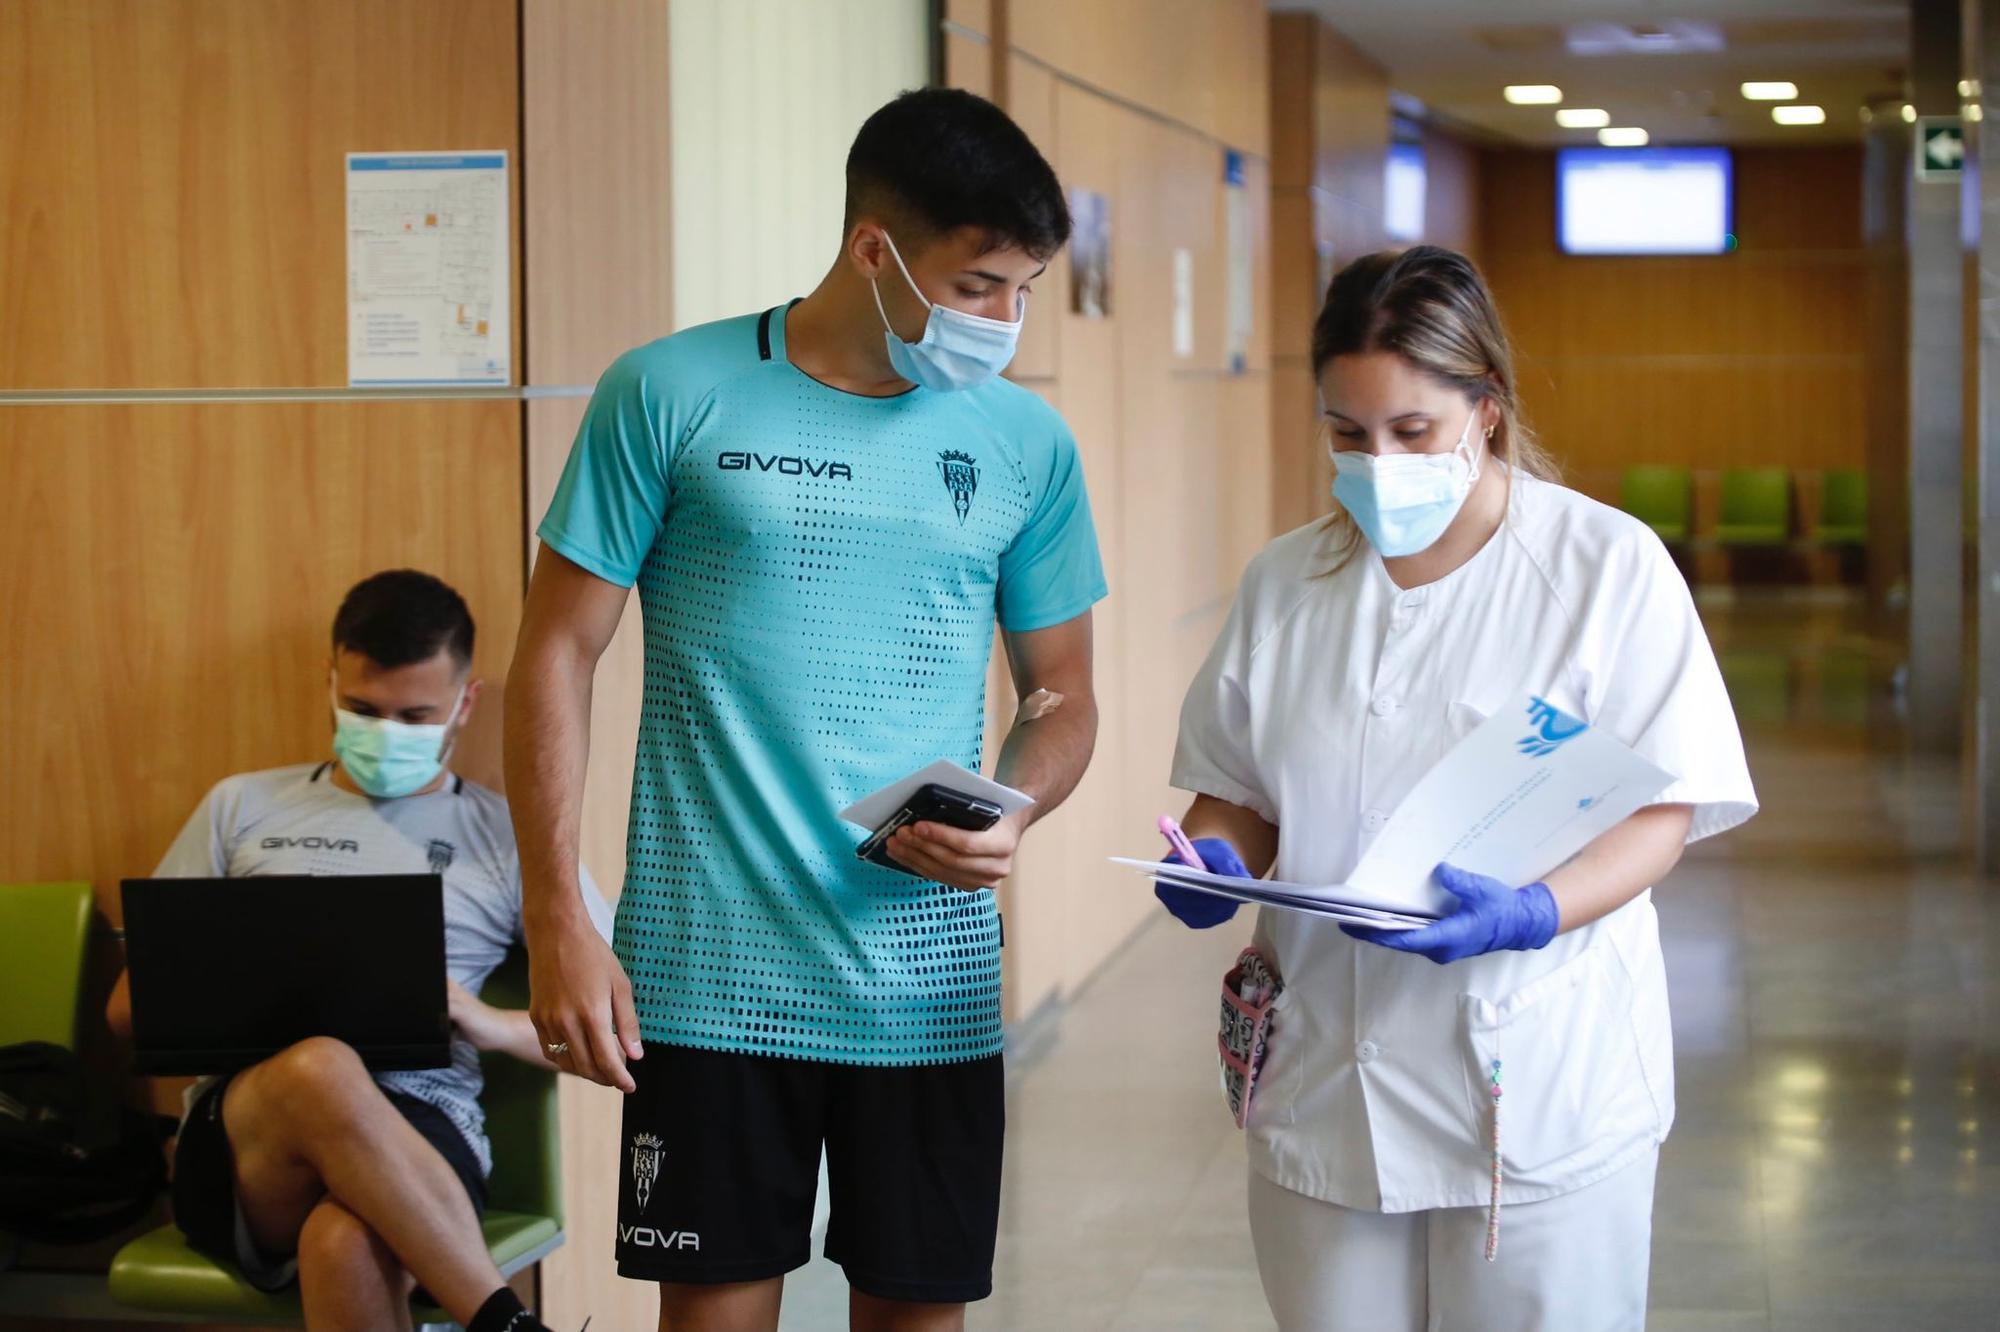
x: 227, y: 972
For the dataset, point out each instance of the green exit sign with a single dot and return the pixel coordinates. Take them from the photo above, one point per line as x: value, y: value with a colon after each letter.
x: 1940, y: 148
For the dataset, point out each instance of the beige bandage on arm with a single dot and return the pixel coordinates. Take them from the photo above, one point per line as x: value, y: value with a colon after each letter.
x: 1038, y: 705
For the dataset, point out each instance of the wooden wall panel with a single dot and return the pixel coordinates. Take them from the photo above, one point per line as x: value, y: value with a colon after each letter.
x: 175, y: 178
x: 1293, y: 40
x: 1090, y: 145
x: 599, y: 261
x: 968, y: 64
x: 599, y: 179
x: 170, y: 584
x: 976, y: 15
x: 1451, y: 193
x: 1031, y: 101
x: 579, y: 1280
x: 1201, y: 62
x: 1756, y: 357
x: 1330, y: 114
x: 1032, y: 965
x: 1350, y: 95
x: 1160, y: 433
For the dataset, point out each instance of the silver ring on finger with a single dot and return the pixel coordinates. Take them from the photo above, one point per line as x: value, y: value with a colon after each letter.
x: 557, y: 1049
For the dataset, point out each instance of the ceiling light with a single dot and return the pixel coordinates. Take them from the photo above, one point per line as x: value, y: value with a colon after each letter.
x: 1532, y: 94
x: 1583, y: 117
x: 1624, y: 137
x: 1972, y: 111
x: 1770, y: 92
x: 1909, y: 114
x: 1799, y: 115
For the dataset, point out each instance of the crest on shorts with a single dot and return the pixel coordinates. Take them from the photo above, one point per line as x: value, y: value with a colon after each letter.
x: 645, y: 1167
x: 961, y: 478
x: 442, y: 854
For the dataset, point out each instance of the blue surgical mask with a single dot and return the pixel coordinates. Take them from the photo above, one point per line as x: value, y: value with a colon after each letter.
x: 1403, y: 502
x: 958, y: 350
x: 387, y: 758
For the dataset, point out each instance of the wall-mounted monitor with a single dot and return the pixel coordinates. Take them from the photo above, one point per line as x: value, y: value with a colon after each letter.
x: 1644, y: 200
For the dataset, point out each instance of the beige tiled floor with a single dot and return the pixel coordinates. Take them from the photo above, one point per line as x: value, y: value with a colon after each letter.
x: 1836, y: 1164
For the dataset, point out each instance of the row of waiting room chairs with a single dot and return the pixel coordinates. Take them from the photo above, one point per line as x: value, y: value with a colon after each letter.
x: 44, y: 933
x: 1755, y: 506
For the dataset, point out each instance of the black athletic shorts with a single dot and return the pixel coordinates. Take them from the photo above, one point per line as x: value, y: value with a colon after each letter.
x: 719, y: 1165
x: 204, y: 1183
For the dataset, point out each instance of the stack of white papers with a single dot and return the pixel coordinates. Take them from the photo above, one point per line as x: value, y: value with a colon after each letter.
x: 1291, y: 896
x: 1515, y: 799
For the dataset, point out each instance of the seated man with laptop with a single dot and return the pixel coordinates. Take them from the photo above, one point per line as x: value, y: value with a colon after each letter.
x: 357, y: 1167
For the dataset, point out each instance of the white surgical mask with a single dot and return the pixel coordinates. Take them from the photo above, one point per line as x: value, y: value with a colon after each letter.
x: 957, y: 351
x: 1403, y: 502
x: 389, y: 758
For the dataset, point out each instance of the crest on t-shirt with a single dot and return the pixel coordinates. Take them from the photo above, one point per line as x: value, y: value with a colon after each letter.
x: 961, y: 478
x: 442, y: 854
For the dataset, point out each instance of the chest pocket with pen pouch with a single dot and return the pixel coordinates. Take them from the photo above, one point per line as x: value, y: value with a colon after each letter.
x: 931, y: 804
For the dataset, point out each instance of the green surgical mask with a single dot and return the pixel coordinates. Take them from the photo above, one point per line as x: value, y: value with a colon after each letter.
x: 387, y: 758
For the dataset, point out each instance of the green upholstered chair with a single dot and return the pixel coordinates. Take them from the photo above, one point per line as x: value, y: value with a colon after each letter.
x: 1843, y: 508
x: 44, y: 928
x: 158, y: 1272
x: 1660, y: 497
x: 1756, y: 507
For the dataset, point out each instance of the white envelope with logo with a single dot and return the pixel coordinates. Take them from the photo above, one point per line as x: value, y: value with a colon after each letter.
x: 1529, y: 788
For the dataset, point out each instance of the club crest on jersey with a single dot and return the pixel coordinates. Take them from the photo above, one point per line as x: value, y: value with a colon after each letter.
x: 442, y: 854
x: 645, y: 1167
x: 961, y: 478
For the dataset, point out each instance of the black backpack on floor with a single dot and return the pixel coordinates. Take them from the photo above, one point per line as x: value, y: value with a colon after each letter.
x: 72, y: 1170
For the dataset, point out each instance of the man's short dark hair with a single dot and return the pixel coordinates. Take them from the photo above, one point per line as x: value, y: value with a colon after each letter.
x: 403, y: 616
x: 938, y: 159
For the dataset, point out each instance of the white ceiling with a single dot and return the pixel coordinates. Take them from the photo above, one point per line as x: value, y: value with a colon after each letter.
x: 1456, y: 55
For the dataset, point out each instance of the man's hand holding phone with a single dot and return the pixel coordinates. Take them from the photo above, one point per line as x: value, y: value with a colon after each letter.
x: 965, y: 858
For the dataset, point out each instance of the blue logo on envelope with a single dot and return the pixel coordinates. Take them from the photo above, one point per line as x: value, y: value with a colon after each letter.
x: 1550, y: 729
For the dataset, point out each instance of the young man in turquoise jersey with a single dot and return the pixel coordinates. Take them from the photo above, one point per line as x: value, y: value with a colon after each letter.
x: 826, y: 508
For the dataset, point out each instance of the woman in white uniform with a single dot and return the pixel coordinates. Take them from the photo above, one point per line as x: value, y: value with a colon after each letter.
x: 1455, y: 579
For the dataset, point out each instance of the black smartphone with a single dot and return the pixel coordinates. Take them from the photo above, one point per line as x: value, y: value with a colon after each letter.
x: 931, y: 804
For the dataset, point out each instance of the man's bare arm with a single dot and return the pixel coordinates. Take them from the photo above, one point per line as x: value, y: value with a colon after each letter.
x: 1045, y: 757
x: 578, y: 994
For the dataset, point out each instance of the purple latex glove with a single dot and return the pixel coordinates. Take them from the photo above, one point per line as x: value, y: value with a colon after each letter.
x: 1490, y: 916
x: 1201, y: 911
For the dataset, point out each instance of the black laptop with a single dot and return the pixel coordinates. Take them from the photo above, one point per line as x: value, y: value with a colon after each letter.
x: 227, y: 972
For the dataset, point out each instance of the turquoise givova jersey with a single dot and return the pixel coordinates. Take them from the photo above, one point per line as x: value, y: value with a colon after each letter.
x: 820, y: 574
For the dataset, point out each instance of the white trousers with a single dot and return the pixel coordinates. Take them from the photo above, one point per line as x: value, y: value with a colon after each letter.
x: 1577, y: 1263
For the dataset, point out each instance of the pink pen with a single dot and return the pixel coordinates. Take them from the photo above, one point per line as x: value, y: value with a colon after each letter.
x: 1178, y: 840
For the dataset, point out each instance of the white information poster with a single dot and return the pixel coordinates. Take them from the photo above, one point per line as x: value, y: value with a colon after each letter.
x: 427, y: 269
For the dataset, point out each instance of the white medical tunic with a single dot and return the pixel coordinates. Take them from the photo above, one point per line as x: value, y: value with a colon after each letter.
x: 1324, y: 701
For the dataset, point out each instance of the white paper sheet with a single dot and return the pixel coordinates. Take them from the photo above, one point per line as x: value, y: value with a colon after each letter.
x: 872, y: 811
x: 1525, y: 791
x: 427, y: 269
x: 1264, y: 892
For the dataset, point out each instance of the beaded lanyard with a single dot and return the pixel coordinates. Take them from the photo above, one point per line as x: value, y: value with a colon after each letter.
x: 1493, y: 1207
